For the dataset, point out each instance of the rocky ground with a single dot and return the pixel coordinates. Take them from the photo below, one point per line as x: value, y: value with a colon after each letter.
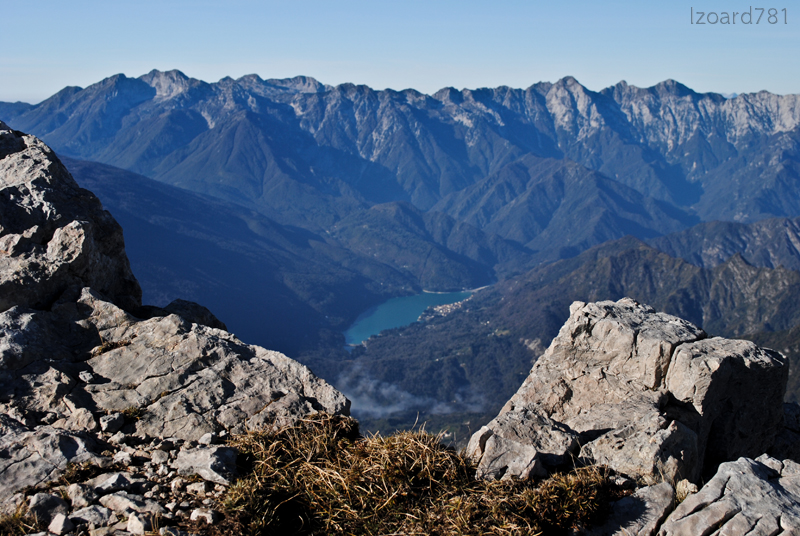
x: 135, y: 486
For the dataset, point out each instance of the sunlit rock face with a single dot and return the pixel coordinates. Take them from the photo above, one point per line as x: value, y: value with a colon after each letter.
x: 54, y: 235
x: 645, y: 393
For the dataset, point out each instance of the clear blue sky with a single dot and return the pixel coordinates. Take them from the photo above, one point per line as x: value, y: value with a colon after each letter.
x: 424, y: 44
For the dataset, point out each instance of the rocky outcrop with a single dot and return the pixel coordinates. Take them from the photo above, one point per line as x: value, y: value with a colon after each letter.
x: 641, y: 513
x: 176, y: 378
x: 84, y: 367
x: 35, y: 456
x: 747, y: 496
x: 645, y: 393
x: 53, y: 234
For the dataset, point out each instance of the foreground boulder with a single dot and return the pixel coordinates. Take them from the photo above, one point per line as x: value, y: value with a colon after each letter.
x: 84, y: 368
x: 34, y: 456
x: 54, y: 234
x: 645, y: 393
x: 747, y: 496
x: 172, y: 378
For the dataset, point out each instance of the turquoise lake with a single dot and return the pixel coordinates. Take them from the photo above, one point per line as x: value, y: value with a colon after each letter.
x: 396, y: 313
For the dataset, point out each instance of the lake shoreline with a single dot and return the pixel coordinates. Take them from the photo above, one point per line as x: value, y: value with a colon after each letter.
x: 399, y: 312
x: 470, y: 290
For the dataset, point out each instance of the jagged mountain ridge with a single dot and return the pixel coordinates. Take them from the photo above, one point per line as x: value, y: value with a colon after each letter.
x: 330, y: 150
x: 771, y: 243
x: 559, y: 208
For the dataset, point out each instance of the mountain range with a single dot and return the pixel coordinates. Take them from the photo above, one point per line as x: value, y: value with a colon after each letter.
x: 290, y: 206
x: 259, y: 141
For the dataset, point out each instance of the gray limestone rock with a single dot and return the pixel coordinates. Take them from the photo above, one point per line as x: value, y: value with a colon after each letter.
x: 81, y: 495
x: 744, y: 497
x: 96, y: 515
x: 111, y: 423
x: 140, y: 524
x: 208, y: 439
x: 199, y: 488
x: 159, y: 456
x: 647, y: 452
x: 78, y: 420
x: 204, y: 514
x: 215, y: 464
x: 113, y: 482
x: 185, y: 379
x: 521, y: 443
x: 53, y: 234
x: 730, y: 393
x: 60, y: 524
x: 640, y: 514
x: 126, y: 503
x: 645, y: 393
x: 31, y: 457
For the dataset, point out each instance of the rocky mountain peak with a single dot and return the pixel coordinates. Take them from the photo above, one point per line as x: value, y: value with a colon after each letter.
x: 168, y: 84
x: 300, y: 84
x: 573, y: 108
x: 674, y: 88
x: 645, y: 393
x: 449, y: 95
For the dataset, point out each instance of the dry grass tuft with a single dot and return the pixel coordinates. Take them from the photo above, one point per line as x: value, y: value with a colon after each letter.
x: 107, y: 346
x: 320, y: 477
x: 133, y: 413
x: 20, y: 522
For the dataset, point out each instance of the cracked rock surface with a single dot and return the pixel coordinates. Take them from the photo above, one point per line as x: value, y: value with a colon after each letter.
x: 646, y: 393
x: 760, y: 496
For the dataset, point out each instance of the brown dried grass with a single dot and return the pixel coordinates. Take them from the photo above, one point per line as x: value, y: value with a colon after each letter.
x: 20, y: 522
x: 320, y: 477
